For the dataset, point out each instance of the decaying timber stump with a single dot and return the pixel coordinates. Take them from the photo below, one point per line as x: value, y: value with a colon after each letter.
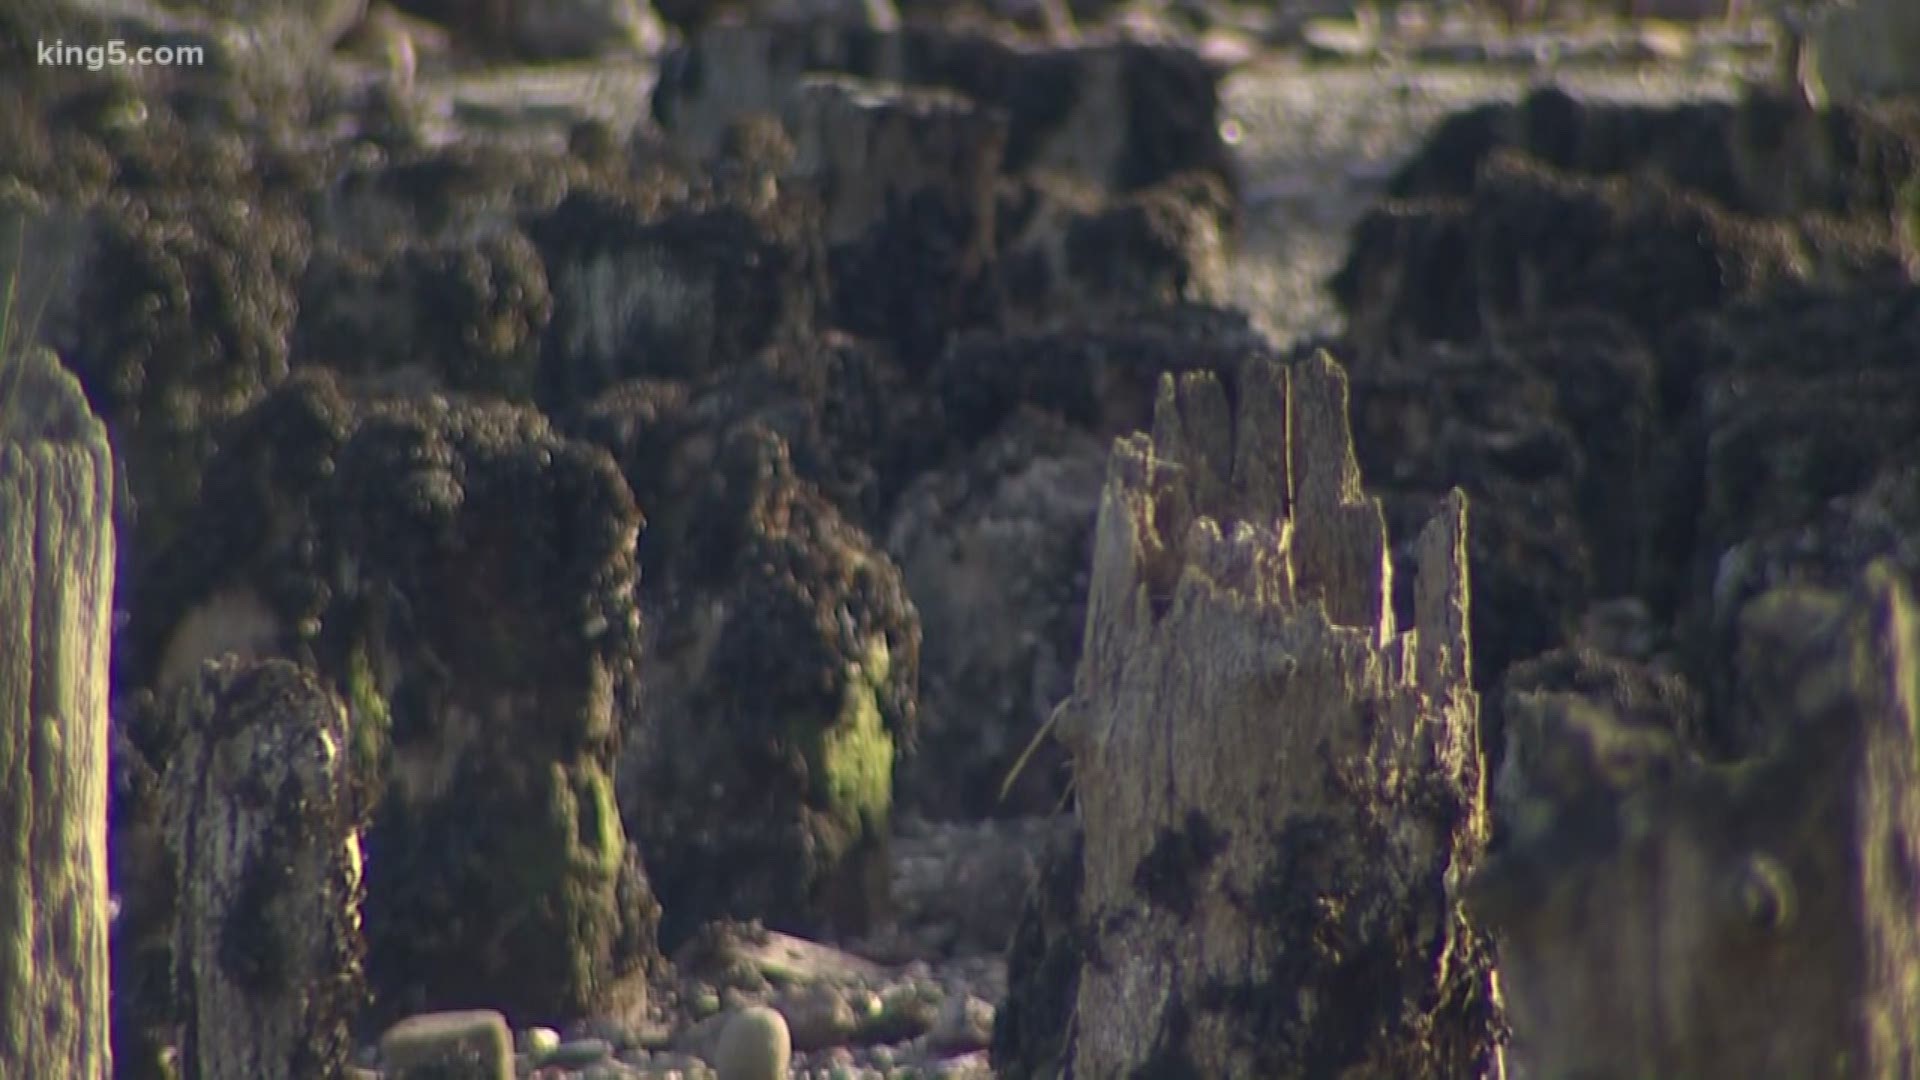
x: 267, y: 944
x: 1658, y: 916
x: 1279, y: 791
x: 56, y: 597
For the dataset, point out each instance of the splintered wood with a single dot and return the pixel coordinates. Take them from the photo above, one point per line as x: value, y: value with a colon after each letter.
x: 1279, y: 789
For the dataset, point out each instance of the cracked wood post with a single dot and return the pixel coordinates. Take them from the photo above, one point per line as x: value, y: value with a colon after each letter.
x: 267, y: 945
x: 1658, y: 916
x: 56, y: 598
x: 1279, y: 790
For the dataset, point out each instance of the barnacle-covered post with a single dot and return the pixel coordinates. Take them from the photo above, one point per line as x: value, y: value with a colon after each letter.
x: 1278, y: 790
x: 260, y: 823
x: 56, y: 596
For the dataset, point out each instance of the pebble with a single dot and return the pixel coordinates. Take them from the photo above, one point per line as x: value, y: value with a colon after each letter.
x: 579, y: 1054
x: 685, y: 1063
x: 477, y: 1041
x: 755, y: 1045
x: 966, y: 1067
x: 817, y: 1017
x: 539, y: 1041
x: 965, y: 1024
x: 905, y: 1013
x: 613, y: 1032
x: 706, y: 1001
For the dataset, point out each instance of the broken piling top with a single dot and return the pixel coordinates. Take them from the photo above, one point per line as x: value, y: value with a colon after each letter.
x: 1260, y: 495
x: 42, y: 402
x: 56, y: 477
x: 1264, y: 761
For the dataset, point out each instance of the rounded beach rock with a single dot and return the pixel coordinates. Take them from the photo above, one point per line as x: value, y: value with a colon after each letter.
x: 755, y: 1045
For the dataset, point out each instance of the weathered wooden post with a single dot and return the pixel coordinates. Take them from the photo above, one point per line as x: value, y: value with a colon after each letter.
x: 56, y: 598
x: 1658, y: 916
x: 259, y: 820
x: 1279, y: 791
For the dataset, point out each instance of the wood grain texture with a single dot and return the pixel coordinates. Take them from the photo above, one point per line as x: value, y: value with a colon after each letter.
x: 1277, y: 788
x: 267, y: 946
x: 56, y: 589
